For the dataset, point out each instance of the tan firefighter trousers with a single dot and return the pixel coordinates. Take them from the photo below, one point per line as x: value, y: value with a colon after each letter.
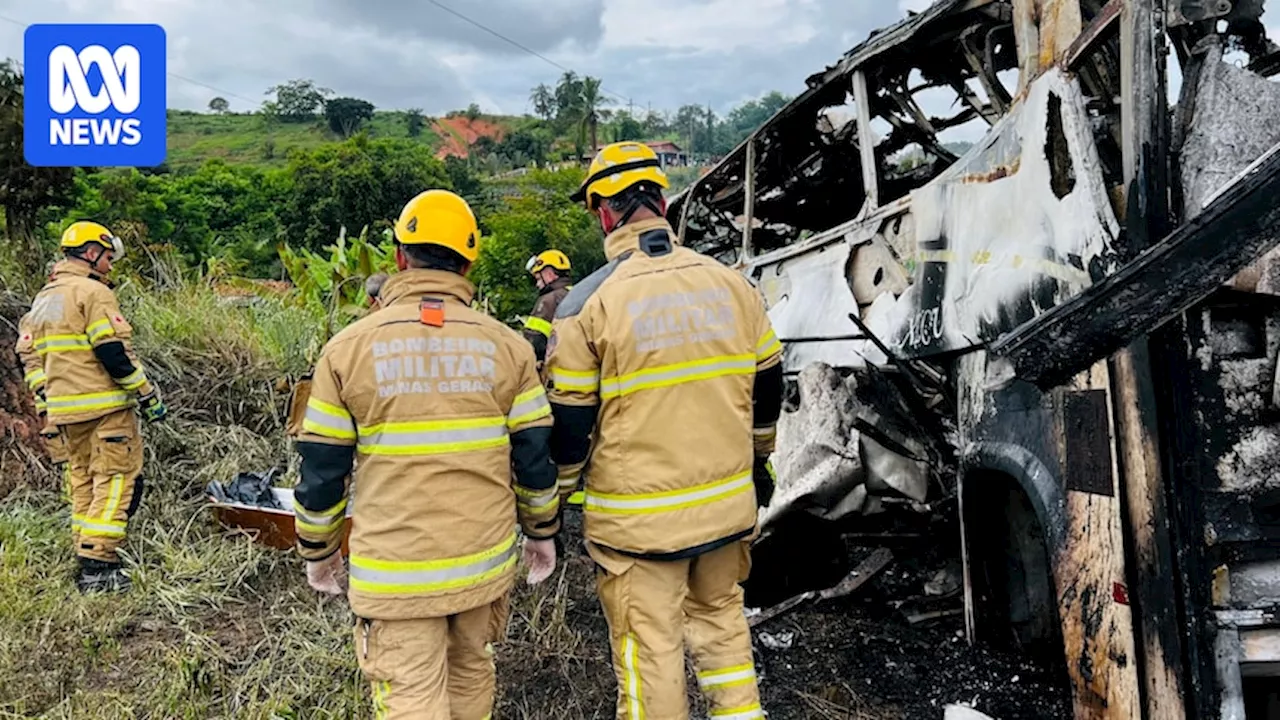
x: 432, y: 668
x: 104, y: 460
x: 654, y: 608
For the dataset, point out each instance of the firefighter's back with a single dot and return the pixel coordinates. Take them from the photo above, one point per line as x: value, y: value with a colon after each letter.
x: 433, y: 481
x: 79, y: 388
x: 676, y: 335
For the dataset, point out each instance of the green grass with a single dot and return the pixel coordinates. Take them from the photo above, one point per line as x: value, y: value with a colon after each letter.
x: 217, y: 626
x: 250, y: 139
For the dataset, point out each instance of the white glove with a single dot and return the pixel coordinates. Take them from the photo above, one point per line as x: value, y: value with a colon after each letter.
x: 540, y: 558
x: 328, y: 576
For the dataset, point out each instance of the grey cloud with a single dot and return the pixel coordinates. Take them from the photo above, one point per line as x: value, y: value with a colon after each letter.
x: 398, y: 54
x: 542, y: 26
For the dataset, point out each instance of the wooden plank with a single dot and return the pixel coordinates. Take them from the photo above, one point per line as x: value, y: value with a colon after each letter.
x: 866, y: 141
x: 1238, y: 227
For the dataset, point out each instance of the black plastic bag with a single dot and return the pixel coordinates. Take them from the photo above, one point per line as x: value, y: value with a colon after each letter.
x: 248, y: 489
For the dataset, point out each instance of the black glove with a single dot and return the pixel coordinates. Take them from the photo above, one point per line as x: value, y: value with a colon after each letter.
x: 765, y: 479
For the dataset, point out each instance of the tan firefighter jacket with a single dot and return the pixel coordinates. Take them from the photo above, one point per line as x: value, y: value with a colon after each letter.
x: 443, y: 405
x: 75, y: 348
x: 656, y: 354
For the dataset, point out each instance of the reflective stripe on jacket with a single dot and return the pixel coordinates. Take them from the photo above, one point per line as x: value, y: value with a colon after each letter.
x: 440, y: 417
x: 537, y: 327
x: 659, y: 349
x: 73, y: 314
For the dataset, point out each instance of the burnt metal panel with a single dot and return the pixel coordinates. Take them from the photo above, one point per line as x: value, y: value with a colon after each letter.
x: 1087, y: 433
x: 1236, y: 229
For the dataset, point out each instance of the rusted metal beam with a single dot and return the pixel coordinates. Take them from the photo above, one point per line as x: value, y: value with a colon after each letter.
x: 1084, y: 43
x: 1239, y: 226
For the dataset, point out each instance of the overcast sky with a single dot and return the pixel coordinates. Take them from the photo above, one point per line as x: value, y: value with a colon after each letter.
x: 411, y: 53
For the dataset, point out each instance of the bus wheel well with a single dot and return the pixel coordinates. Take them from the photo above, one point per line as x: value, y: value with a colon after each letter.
x: 1010, y: 571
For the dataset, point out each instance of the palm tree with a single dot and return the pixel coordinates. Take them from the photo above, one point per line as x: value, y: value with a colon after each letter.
x: 544, y: 101
x: 592, y: 109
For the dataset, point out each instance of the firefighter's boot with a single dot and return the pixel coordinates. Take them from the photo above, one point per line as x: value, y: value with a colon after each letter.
x: 97, y: 576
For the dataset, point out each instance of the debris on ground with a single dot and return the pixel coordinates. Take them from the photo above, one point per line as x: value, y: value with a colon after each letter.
x: 248, y: 488
x: 780, y: 641
x: 876, y: 562
x: 847, y: 445
x: 964, y: 712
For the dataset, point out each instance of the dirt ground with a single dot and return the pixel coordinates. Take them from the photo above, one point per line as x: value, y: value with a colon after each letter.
x: 855, y: 657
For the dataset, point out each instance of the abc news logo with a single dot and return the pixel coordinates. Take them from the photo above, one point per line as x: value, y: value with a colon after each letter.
x: 94, y: 95
x: 69, y: 89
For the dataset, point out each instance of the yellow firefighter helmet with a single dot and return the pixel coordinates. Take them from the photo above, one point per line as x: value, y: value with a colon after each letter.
x: 85, y: 232
x: 439, y: 217
x: 617, y: 167
x: 548, y: 258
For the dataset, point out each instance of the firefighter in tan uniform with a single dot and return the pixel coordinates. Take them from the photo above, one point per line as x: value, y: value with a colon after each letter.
x: 33, y: 367
x: 668, y: 358
x: 550, y: 270
x: 445, y: 408
x: 75, y: 348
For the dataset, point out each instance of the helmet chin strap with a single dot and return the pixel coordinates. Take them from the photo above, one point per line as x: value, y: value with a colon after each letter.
x: 645, y: 201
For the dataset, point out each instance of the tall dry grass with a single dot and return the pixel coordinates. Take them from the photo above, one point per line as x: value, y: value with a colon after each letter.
x: 216, y: 625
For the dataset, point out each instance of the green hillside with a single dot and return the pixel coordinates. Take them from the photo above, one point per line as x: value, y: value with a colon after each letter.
x: 252, y: 139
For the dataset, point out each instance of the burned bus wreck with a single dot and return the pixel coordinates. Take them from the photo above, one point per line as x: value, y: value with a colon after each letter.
x: 1067, y: 320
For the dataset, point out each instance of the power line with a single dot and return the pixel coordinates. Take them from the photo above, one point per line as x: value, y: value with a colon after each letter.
x: 173, y: 75
x: 519, y: 45
x: 438, y: 4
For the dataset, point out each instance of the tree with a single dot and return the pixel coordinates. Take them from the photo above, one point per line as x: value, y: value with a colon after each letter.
x: 655, y: 124
x: 345, y: 115
x: 534, y: 214
x: 413, y: 121
x: 592, y: 109
x: 525, y: 145
x: 298, y: 100
x: 218, y: 210
x: 745, y: 118
x: 25, y: 191
x: 568, y: 99
x: 543, y: 100
x: 627, y: 127
x: 354, y: 183
x: 473, y: 112
x: 689, y: 122
x: 219, y: 105
x: 464, y: 181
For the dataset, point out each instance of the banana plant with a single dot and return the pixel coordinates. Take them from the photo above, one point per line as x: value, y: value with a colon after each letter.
x: 332, y: 281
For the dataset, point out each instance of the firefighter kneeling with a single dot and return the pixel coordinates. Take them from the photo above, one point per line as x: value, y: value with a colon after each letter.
x: 673, y: 356
x: 444, y: 405
x: 74, y: 345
